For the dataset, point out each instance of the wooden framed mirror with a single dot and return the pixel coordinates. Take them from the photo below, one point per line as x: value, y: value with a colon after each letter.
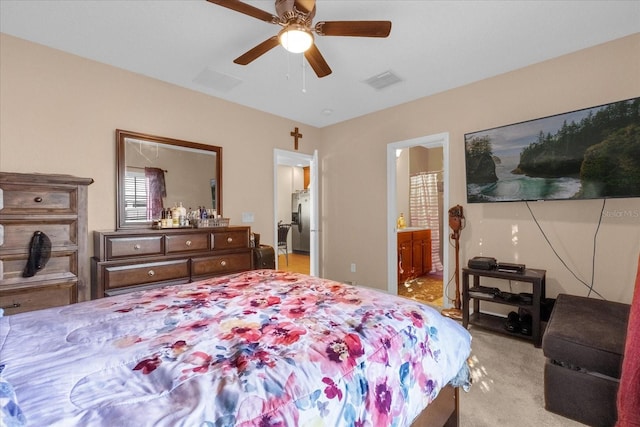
x: 155, y: 172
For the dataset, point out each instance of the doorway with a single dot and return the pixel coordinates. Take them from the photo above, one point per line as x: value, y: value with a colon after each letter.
x: 296, y: 173
x: 396, y: 190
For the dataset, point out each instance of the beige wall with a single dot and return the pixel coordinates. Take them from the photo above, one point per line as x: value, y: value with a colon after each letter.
x: 355, y: 154
x: 58, y: 114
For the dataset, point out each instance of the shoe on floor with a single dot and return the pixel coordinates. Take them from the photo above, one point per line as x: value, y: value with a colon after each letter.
x: 513, y: 322
x: 525, y: 324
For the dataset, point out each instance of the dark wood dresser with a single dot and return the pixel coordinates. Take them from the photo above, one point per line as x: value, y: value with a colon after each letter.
x: 130, y: 260
x: 57, y: 206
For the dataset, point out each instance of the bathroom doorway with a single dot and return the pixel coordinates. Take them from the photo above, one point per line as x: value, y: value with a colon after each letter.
x: 417, y: 187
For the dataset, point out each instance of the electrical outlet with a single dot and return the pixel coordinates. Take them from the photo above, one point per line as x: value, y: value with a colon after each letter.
x: 353, y: 267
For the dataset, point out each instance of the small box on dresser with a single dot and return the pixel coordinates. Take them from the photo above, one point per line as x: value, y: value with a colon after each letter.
x: 57, y: 206
x: 130, y: 260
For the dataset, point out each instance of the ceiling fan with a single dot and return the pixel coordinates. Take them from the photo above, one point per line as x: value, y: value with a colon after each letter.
x: 295, y: 17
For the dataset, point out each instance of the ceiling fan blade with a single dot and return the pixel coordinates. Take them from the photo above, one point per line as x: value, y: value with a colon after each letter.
x: 354, y: 28
x: 246, y: 9
x: 305, y: 6
x: 257, y: 51
x: 317, y: 62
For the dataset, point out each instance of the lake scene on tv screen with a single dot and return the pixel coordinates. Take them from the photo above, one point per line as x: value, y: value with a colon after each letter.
x: 586, y: 154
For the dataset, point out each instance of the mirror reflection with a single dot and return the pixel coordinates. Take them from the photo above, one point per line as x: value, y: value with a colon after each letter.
x: 157, y: 173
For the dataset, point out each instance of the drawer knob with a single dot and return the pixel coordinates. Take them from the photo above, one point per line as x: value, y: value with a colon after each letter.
x: 151, y: 273
x: 188, y: 243
x: 14, y: 305
x: 229, y: 239
x: 136, y: 246
x: 38, y: 199
x: 223, y: 263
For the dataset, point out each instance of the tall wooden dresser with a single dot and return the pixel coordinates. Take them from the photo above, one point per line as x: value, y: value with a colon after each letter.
x: 131, y: 260
x: 57, y: 206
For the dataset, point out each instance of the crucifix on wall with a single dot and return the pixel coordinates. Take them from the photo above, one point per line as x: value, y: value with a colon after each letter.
x: 295, y: 134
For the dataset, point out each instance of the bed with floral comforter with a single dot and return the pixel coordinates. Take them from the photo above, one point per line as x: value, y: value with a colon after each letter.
x: 260, y: 348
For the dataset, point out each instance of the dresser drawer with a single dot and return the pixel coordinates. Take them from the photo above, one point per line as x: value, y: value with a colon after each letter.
x: 60, y: 262
x: 187, y: 243
x: 119, y: 276
x: 422, y: 235
x: 17, y: 234
x: 35, y: 199
x: 220, y: 264
x: 133, y: 246
x: 37, y: 297
x: 231, y: 240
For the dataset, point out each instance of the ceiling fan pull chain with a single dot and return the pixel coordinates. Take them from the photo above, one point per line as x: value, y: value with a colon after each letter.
x: 304, y: 80
x: 288, y: 66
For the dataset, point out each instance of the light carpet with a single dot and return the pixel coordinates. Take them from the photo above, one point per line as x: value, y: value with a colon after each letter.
x: 508, y: 384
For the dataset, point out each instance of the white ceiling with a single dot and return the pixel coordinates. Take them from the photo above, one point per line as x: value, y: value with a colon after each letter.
x: 434, y: 46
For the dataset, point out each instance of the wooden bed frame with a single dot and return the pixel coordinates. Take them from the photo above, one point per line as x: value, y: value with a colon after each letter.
x: 442, y: 412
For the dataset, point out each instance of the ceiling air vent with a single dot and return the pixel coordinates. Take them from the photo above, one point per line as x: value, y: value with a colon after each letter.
x: 383, y: 80
x: 217, y: 81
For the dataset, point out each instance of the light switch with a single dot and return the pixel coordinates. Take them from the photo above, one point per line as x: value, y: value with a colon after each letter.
x: 247, y: 217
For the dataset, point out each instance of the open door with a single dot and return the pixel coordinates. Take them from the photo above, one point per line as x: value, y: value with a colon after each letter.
x: 314, y: 243
x: 431, y: 141
x: 298, y: 160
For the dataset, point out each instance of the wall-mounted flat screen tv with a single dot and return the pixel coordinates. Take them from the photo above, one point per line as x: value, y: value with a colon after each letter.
x: 586, y: 154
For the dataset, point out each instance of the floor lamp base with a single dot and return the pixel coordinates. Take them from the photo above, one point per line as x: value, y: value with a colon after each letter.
x: 453, y: 313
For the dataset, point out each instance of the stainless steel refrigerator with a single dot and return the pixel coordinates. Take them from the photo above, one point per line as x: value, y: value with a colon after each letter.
x: 300, y: 221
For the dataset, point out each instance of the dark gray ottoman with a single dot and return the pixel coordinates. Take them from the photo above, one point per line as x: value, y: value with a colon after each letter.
x: 584, y: 344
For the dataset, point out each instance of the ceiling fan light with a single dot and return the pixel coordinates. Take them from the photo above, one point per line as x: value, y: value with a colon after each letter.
x: 295, y: 38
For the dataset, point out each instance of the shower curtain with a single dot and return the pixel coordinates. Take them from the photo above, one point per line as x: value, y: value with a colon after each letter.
x: 425, y: 211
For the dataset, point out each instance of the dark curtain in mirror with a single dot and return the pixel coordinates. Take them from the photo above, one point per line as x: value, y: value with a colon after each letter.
x: 156, y: 191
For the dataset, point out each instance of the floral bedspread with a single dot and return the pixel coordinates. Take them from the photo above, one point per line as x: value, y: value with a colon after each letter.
x: 260, y: 348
